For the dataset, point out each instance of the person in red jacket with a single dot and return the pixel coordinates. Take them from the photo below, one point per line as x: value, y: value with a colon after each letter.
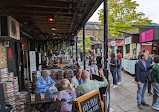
x: 119, y: 57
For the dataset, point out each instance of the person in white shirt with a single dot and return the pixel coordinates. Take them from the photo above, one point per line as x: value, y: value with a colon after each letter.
x: 76, y: 80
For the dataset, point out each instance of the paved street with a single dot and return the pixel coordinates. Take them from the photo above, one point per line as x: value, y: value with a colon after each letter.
x: 123, y: 98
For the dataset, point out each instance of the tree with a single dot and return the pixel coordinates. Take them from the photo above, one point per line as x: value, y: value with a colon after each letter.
x: 87, y: 44
x: 122, y: 15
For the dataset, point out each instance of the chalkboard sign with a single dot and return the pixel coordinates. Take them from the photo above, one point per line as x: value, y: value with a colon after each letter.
x: 90, y: 102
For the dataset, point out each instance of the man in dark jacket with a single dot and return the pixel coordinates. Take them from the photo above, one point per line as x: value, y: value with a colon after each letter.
x: 149, y: 60
x: 141, y: 78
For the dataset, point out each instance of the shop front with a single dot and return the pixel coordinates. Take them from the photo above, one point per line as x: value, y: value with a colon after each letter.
x: 131, y: 51
x: 114, y: 45
x: 149, y: 39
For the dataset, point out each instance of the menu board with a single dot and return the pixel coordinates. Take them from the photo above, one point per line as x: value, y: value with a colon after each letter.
x: 32, y: 57
x: 90, y: 102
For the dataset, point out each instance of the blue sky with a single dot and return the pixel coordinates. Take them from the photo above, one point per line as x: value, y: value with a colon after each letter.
x: 149, y: 7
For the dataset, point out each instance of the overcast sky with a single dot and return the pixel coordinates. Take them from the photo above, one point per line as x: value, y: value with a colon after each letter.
x: 149, y: 7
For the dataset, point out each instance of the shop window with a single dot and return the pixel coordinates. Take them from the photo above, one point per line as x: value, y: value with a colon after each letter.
x: 155, y: 48
x: 127, y: 54
x: 134, y: 49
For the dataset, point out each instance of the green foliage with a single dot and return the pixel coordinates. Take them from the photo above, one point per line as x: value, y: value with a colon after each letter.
x: 122, y: 15
x: 87, y: 44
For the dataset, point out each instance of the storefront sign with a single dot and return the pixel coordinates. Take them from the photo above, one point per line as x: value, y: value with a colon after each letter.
x: 90, y: 102
x: 146, y: 36
x: 115, y: 43
x: 133, y: 46
x: 128, y: 40
x: 32, y: 57
x: 10, y: 55
x: 119, y: 43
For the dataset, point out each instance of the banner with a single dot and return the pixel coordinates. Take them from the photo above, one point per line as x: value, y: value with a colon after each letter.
x: 146, y: 36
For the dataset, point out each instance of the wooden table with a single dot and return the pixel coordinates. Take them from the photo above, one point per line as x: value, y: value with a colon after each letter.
x: 38, y: 101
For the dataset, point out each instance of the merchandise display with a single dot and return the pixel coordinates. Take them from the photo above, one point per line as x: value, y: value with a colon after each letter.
x: 3, y: 61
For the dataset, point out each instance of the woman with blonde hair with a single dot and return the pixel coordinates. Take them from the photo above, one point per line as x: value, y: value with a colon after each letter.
x: 66, y: 96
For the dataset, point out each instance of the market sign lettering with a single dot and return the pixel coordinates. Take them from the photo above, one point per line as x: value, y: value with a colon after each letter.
x: 90, y: 102
x: 146, y: 36
x: 128, y: 40
x: 119, y: 43
x: 10, y: 55
x: 91, y: 105
x: 115, y: 43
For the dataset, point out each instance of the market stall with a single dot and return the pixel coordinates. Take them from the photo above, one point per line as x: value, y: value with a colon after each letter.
x: 149, y: 38
x: 131, y: 50
x: 116, y: 44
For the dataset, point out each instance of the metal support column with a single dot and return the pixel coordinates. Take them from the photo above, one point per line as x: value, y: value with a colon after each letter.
x: 105, y: 39
x: 106, y: 52
x: 84, y: 52
x: 76, y: 49
x: 72, y: 51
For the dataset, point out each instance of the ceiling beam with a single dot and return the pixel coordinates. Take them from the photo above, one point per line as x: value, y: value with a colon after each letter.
x: 37, y: 14
x: 35, y: 3
x: 41, y: 10
x: 74, y: 15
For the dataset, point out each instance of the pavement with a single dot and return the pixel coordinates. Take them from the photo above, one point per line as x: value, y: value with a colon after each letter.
x: 123, y: 98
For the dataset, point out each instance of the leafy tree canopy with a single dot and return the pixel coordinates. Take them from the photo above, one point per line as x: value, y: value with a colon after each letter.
x: 87, y: 44
x: 122, y: 15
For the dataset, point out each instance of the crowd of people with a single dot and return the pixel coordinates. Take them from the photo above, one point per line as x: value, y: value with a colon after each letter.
x: 79, y: 85
x: 146, y: 73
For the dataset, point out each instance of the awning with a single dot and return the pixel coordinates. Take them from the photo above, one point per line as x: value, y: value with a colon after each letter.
x: 69, y: 16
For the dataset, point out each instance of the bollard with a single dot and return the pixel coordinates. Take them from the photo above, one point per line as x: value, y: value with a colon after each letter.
x: 105, y: 102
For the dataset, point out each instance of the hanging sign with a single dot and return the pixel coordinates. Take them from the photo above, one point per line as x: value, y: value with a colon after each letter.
x: 133, y: 46
x: 113, y: 43
x: 119, y: 43
x: 32, y: 57
x: 90, y: 102
x: 146, y: 36
x: 10, y: 55
x: 128, y: 40
x: 109, y: 44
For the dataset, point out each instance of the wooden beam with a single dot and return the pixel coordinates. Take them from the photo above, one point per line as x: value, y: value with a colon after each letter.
x: 40, y: 10
x: 36, y: 3
x: 30, y: 14
x: 52, y: 23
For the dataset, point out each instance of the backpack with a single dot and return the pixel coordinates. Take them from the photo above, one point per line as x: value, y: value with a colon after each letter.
x: 154, y: 76
x: 118, y: 63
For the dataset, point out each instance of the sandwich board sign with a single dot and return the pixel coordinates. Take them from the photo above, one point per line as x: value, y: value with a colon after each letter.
x: 90, y: 102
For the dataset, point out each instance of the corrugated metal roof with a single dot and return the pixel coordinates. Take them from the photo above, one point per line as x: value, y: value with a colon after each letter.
x: 129, y: 31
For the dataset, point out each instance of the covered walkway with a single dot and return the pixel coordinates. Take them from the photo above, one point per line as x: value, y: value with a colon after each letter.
x: 123, y: 98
